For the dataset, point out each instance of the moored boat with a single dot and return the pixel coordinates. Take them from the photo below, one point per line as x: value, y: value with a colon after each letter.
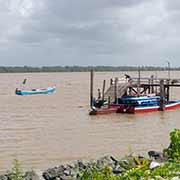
x: 144, y: 104
x: 48, y: 90
x: 135, y: 104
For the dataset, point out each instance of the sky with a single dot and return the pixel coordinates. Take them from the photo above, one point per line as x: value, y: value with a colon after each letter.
x: 89, y: 32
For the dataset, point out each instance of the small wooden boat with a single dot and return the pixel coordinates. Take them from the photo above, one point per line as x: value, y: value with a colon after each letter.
x: 48, y: 90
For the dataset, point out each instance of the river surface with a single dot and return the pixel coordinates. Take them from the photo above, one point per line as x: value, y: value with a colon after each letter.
x: 43, y: 131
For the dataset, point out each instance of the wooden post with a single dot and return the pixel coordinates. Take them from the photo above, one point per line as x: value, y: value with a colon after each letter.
x: 156, y: 83
x: 149, y: 89
x: 115, y: 90
x: 91, y: 87
x: 168, y: 69
x: 103, y: 89
x: 152, y: 82
x: 167, y: 90
x: 111, y: 82
x: 138, y: 83
x: 162, y: 95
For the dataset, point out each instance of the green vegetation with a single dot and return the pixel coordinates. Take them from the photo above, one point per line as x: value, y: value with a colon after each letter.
x: 173, y: 151
x: 136, y: 168
x: 18, y: 69
x: 110, y: 168
x: 143, y: 172
x: 17, y: 172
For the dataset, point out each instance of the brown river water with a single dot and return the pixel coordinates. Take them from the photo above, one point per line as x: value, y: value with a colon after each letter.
x: 43, y: 131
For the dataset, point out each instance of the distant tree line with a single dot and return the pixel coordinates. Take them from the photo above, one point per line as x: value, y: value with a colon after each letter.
x: 25, y: 69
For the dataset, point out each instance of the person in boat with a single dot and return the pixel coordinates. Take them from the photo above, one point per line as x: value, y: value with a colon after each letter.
x: 17, y: 90
x: 99, y: 94
x: 128, y: 77
x: 111, y: 81
x: 99, y: 102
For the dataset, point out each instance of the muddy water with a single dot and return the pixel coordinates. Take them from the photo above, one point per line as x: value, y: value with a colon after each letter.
x: 42, y: 131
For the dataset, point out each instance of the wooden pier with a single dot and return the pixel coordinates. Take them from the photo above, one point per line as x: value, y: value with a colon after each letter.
x: 137, y: 86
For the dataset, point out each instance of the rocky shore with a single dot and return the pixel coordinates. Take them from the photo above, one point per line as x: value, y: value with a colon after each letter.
x: 74, y: 171
x: 156, y: 166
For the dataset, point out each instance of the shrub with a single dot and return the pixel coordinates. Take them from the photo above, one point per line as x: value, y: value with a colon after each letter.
x: 17, y: 172
x: 173, y: 151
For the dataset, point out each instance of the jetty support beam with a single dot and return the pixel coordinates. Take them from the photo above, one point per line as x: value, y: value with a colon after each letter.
x: 91, y: 87
x: 103, y: 90
x: 167, y: 91
x: 115, y: 90
x: 162, y: 94
x: 152, y: 82
x: 139, y: 81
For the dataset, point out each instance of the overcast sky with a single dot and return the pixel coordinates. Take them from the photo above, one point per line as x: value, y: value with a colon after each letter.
x: 89, y: 32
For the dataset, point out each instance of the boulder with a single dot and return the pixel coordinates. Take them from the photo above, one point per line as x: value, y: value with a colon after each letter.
x: 158, y: 156
x: 53, y: 173
x: 32, y: 175
x: 154, y: 165
x: 3, y: 177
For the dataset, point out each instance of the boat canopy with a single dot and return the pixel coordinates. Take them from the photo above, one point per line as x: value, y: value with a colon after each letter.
x: 141, y: 100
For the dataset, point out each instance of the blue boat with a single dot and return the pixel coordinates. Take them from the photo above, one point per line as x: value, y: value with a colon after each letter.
x: 139, y: 100
x: 48, y: 90
x: 134, y: 104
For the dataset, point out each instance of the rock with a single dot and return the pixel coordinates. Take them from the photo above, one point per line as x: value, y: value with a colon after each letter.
x: 106, y: 160
x: 113, y: 159
x: 32, y: 175
x: 175, y: 178
x: 154, y: 154
x: 67, y: 172
x: 154, y: 165
x: 116, y: 171
x: 3, y: 177
x: 53, y: 173
x: 127, y: 162
x: 65, y: 178
x: 158, y: 156
x: 81, y: 165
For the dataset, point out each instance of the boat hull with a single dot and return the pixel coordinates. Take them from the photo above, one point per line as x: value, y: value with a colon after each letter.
x: 103, y: 111
x: 124, y: 109
x: 169, y: 106
x: 112, y: 108
x: 36, y: 91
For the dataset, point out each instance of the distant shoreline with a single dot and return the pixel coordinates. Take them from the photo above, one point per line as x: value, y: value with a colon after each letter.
x: 31, y: 69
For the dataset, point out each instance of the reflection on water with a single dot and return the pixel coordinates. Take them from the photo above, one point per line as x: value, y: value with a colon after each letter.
x: 44, y: 130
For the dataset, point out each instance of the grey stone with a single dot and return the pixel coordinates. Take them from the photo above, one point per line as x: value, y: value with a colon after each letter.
x: 66, y: 178
x: 158, y: 156
x: 3, y: 177
x: 32, y: 175
x: 154, y: 165
x: 53, y: 173
x: 67, y: 172
x: 175, y: 178
x: 81, y: 165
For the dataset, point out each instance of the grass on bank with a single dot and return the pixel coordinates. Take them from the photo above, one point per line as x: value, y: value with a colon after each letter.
x: 132, y: 168
x: 140, y: 169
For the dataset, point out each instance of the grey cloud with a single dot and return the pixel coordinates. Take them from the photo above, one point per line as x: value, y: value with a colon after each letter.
x: 82, y: 24
x: 173, y: 6
x: 115, y: 32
